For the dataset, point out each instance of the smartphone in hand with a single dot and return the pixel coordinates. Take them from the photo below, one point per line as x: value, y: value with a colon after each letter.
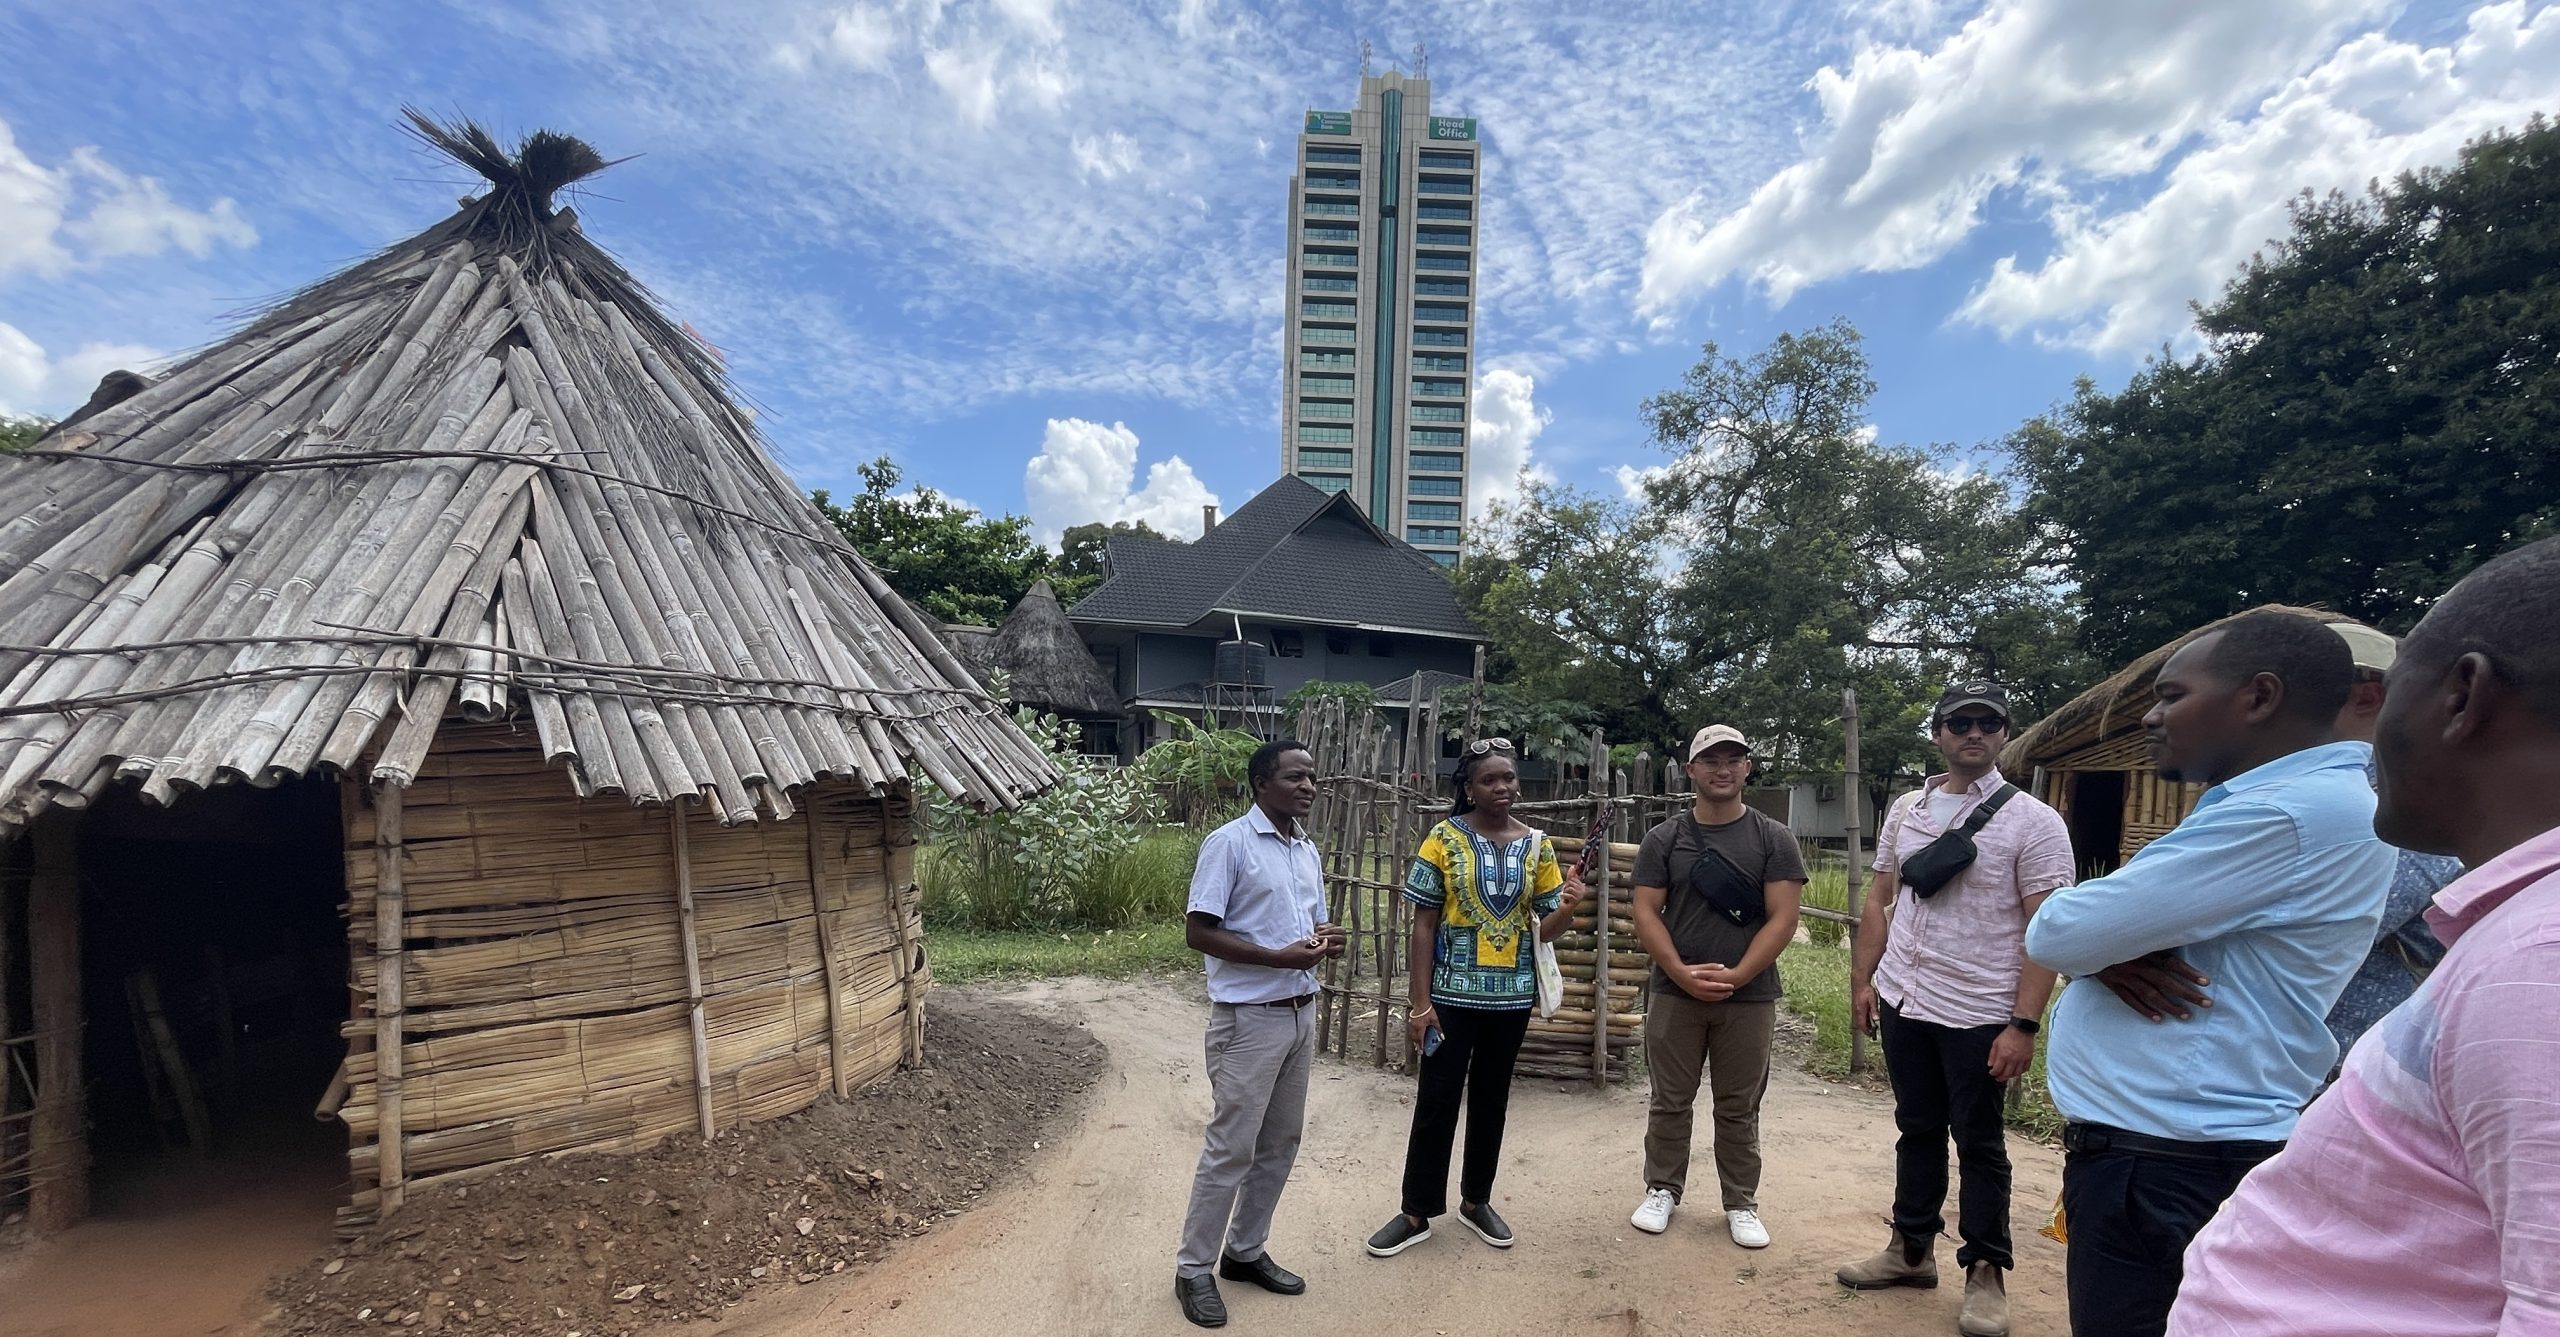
x: 1430, y: 1041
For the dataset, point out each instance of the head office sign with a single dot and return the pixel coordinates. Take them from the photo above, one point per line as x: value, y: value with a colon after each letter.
x: 1453, y: 127
x: 1328, y: 123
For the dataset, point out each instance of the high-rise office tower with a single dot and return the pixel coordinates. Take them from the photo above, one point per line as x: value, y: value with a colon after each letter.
x: 1382, y: 274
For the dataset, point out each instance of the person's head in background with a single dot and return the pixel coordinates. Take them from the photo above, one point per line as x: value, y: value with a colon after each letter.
x: 2373, y: 653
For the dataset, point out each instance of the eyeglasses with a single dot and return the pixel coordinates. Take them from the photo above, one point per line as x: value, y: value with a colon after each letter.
x: 1960, y: 725
x: 1483, y: 745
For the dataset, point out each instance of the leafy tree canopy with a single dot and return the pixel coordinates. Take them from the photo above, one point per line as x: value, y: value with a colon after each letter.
x: 1080, y: 552
x: 950, y: 562
x: 19, y: 433
x: 2372, y: 415
x: 1781, y: 555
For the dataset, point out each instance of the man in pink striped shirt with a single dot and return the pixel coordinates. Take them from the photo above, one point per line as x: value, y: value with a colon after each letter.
x: 2421, y: 1195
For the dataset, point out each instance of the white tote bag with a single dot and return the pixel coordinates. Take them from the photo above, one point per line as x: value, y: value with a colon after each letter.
x: 1543, y: 955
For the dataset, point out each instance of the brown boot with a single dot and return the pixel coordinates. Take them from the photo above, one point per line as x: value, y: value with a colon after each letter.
x: 1986, y: 1302
x: 1907, y: 1261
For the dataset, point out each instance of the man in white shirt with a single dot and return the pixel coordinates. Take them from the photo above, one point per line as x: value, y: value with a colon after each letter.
x: 1257, y: 914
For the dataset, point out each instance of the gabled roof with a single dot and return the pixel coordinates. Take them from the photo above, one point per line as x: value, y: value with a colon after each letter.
x: 478, y: 472
x: 1294, y: 553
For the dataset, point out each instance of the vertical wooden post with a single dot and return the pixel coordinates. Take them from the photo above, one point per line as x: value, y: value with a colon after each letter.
x: 692, y: 969
x: 58, y: 1147
x: 812, y: 811
x: 1852, y: 792
x: 1599, y: 787
x: 910, y: 998
x: 10, y: 881
x: 390, y: 960
x: 1475, y: 699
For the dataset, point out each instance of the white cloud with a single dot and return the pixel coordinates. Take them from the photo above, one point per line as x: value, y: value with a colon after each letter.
x: 1086, y: 472
x: 1106, y: 155
x: 1507, y: 422
x: 862, y: 37
x: 2120, y: 282
x: 32, y: 381
x: 1632, y: 480
x: 89, y: 210
x: 2029, y: 93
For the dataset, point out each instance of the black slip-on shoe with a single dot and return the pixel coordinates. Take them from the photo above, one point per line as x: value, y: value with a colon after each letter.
x: 1397, y: 1235
x: 1200, y: 1301
x: 1487, y: 1223
x: 1262, y: 1272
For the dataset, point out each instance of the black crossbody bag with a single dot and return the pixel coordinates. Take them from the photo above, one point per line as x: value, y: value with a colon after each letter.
x: 1721, y: 883
x: 1938, y: 862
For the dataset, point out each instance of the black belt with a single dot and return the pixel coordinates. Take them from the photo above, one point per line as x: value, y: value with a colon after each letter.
x: 1300, y: 1001
x: 2097, y: 1137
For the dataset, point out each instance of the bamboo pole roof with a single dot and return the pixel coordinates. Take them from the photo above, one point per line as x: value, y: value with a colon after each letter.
x: 2117, y: 704
x: 481, y: 474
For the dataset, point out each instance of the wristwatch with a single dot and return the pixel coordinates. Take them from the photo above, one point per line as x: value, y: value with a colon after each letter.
x: 2026, y: 1025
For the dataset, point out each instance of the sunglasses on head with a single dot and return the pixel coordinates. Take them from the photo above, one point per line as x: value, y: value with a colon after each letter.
x: 1483, y: 745
x: 1960, y: 725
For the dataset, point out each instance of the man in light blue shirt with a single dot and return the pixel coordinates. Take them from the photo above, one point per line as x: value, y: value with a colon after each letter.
x: 1257, y: 914
x: 2267, y: 896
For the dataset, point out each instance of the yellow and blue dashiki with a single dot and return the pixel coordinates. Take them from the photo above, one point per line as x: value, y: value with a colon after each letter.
x: 1481, y: 957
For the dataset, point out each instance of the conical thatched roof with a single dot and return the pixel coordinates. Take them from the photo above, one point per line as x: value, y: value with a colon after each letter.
x: 2119, y: 702
x: 1046, y: 662
x: 478, y: 471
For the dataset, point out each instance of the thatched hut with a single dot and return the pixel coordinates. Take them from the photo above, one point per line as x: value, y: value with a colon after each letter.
x: 437, y: 684
x: 2089, y: 760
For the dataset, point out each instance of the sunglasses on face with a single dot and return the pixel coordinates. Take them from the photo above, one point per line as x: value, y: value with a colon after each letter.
x: 1960, y: 725
x: 1484, y: 745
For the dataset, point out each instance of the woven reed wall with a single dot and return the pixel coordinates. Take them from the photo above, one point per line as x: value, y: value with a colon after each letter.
x: 545, y: 991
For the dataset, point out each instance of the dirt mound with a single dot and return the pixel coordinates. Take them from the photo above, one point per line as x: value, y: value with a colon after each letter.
x: 612, y: 1244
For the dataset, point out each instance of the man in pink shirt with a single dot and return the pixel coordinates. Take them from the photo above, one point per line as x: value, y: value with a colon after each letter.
x: 2421, y: 1195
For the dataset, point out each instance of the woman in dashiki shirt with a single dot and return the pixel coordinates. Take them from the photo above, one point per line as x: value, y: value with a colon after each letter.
x: 1480, y: 884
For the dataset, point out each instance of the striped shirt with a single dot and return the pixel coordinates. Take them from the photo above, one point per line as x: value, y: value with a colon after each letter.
x: 2421, y: 1195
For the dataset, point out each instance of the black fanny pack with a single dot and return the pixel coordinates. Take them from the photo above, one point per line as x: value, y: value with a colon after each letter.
x: 1938, y: 862
x: 1727, y: 890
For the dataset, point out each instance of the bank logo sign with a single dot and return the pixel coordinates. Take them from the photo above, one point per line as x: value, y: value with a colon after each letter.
x: 1453, y: 127
x: 1339, y: 123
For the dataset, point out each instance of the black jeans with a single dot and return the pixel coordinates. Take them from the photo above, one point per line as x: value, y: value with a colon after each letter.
x: 2132, y: 1204
x: 1941, y: 1085
x: 1478, y: 1047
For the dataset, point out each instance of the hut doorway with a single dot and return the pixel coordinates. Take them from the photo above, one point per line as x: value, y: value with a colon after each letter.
x: 214, y: 975
x: 2097, y: 821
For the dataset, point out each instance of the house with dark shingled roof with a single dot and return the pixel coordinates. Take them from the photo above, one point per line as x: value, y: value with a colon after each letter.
x: 1298, y: 573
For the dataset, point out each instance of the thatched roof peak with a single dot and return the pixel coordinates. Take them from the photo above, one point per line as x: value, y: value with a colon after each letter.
x: 478, y: 472
x: 2120, y: 701
x: 1046, y: 660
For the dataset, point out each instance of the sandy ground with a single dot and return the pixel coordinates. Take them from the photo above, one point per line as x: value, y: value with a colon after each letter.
x: 1084, y: 1244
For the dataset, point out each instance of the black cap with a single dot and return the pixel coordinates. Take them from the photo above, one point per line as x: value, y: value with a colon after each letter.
x: 1972, y: 692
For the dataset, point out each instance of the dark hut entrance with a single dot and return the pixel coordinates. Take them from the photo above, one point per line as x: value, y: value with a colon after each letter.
x: 213, y: 969
x: 2096, y: 811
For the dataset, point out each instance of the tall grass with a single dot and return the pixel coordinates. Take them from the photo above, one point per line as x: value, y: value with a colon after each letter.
x: 1147, y: 885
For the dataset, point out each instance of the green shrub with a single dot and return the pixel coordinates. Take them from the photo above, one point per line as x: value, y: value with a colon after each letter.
x: 1035, y: 865
x: 1198, y: 773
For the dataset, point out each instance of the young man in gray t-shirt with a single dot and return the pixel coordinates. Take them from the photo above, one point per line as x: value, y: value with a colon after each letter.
x: 1718, y: 891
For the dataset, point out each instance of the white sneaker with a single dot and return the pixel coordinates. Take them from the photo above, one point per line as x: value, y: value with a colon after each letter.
x: 1747, y: 1230
x: 1653, y: 1216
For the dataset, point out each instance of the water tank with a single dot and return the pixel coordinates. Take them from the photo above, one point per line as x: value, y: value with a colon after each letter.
x: 1240, y: 664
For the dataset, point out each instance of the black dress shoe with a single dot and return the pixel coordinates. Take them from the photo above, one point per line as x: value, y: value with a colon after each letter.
x: 1200, y: 1302
x: 1262, y: 1272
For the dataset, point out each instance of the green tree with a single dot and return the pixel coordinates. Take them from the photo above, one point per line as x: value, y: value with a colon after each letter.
x: 1080, y: 556
x: 1782, y: 555
x: 17, y: 433
x: 2371, y: 416
x: 949, y: 561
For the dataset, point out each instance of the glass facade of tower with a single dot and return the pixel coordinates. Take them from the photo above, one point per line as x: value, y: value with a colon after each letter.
x: 1382, y: 282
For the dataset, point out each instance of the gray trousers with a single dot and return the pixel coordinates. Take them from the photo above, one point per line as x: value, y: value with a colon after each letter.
x: 1259, y: 1058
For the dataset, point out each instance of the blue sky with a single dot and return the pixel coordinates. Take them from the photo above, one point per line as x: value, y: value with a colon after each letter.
x: 1034, y: 249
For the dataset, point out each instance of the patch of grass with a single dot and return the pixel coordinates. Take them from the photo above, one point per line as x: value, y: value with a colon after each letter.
x: 1148, y: 884
x: 1816, y: 978
x: 962, y: 955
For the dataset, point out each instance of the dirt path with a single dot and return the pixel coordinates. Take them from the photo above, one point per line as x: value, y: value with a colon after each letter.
x: 1084, y: 1244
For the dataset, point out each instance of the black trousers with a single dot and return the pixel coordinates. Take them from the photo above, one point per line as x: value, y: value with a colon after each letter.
x: 2132, y: 1204
x: 1942, y: 1086
x: 1478, y: 1047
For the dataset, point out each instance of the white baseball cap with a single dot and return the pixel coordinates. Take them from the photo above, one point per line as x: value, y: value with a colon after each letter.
x: 2371, y: 649
x: 1713, y: 734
